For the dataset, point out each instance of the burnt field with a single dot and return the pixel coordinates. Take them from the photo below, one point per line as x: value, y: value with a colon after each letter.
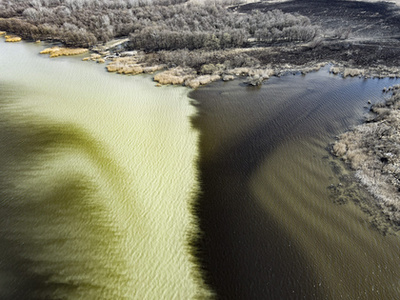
x: 370, y: 32
x: 364, y: 19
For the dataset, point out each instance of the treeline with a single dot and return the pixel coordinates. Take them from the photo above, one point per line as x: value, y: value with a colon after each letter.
x: 215, y: 27
x: 152, y: 25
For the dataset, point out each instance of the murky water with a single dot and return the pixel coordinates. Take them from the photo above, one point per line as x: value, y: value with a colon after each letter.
x: 273, y: 229
x: 106, y: 180
x: 97, y: 179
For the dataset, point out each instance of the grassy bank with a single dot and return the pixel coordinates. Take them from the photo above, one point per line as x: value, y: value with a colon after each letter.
x: 372, y: 150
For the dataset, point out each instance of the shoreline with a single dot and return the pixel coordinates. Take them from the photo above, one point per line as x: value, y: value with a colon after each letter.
x: 352, y: 142
x: 372, y: 151
x: 252, y: 76
x: 213, y: 68
x: 135, y: 62
x: 277, y: 37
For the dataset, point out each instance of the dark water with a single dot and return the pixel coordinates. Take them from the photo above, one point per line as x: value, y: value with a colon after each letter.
x: 271, y: 228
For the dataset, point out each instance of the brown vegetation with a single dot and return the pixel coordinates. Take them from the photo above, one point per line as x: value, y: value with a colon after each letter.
x: 12, y: 38
x: 60, y: 51
x: 201, y: 80
x: 128, y: 65
x: 174, y: 76
x: 125, y: 66
x: 209, y: 37
x: 195, y: 72
x: 373, y: 150
x: 186, y: 76
x: 372, y: 72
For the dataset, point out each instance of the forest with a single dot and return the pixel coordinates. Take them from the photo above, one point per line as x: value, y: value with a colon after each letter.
x: 153, y: 25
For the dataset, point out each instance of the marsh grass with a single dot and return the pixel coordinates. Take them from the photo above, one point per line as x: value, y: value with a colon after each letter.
x: 373, y: 150
x: 59, y: 51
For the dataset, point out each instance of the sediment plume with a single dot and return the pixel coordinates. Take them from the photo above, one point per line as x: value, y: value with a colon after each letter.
x: 174, y: 76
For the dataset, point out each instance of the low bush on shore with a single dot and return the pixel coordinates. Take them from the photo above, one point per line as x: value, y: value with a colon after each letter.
x: 373, y: 150
x: 60, y: 51
x: 12, y: 38
x: 151, y: 26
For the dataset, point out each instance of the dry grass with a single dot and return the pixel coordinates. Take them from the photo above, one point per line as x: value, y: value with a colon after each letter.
x: 353, y: 72
x: 373, y: 150
x: 125, y: 65
x: 12, y: 38
x: 60, y: 51
x: 339, y: 148
x: 201, y: 80
x: 175, y: 76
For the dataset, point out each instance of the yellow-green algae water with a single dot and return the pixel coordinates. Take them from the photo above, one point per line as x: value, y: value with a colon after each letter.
x: 96, y: 183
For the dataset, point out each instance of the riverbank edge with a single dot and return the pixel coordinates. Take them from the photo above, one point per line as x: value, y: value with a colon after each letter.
x: 372, y: 150
x: 139, y: 62
x: 136, y: 62
x: 133, y: 63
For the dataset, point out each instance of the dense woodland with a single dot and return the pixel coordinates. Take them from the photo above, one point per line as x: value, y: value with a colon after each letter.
x: 152, y: 25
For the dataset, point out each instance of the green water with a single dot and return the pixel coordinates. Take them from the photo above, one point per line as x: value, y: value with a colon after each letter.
x: 106, y: 182
x: 97, y: 178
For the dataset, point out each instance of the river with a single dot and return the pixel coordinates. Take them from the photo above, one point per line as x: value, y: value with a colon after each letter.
x: 112, y: 188
x: 97, y: 178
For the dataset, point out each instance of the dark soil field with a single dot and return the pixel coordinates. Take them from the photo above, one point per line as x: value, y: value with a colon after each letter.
x: 370, y: 32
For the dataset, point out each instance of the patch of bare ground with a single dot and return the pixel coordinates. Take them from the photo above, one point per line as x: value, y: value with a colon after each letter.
x: 354, y: 34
